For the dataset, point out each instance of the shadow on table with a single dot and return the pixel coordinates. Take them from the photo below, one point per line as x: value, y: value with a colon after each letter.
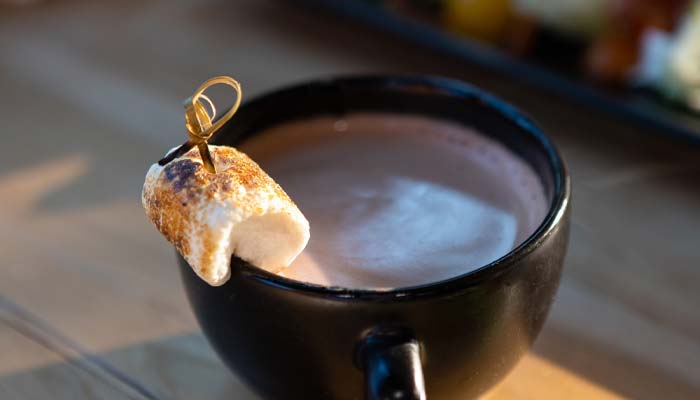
x: 181, y: 367
x: 618, y: 372
x: 185, y: 367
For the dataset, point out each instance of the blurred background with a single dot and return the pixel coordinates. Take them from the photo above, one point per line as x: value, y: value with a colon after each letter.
x: 635, y: 58
x: 90, y: 301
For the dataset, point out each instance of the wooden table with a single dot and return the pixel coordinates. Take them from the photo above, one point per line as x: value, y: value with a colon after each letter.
x: 90, y: 302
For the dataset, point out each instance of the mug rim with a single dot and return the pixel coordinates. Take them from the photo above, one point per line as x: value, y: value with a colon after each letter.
x: 451, y: 87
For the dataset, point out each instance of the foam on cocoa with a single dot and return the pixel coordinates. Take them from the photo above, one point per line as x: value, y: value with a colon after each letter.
x: 396, y: 200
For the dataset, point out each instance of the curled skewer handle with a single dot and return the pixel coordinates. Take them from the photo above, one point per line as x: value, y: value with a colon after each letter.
x: 192, y: 103
x: 199, y: 123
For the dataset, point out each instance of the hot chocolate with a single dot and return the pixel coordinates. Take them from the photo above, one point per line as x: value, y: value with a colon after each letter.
x: 396, y: 200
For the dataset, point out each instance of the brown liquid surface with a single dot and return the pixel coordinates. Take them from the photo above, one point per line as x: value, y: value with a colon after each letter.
x: 396, y: 201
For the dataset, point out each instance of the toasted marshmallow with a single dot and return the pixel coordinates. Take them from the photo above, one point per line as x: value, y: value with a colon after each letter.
x: 238, y: 211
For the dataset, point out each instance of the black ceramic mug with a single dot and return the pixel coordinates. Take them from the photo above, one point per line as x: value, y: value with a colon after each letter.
x: 451, y: 339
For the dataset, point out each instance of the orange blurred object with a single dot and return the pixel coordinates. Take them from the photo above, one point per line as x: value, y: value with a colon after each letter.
x: 613, y: 54
x: 486, y: 20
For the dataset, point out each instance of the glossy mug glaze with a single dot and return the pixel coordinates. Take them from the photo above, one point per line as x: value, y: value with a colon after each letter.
x: 450, y: 339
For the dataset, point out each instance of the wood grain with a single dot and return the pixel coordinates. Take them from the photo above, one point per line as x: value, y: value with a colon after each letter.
x: 38, y: 363
x: 93, y: 97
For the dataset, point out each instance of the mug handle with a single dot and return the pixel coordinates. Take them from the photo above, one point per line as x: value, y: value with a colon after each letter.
x: 392, y: 366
